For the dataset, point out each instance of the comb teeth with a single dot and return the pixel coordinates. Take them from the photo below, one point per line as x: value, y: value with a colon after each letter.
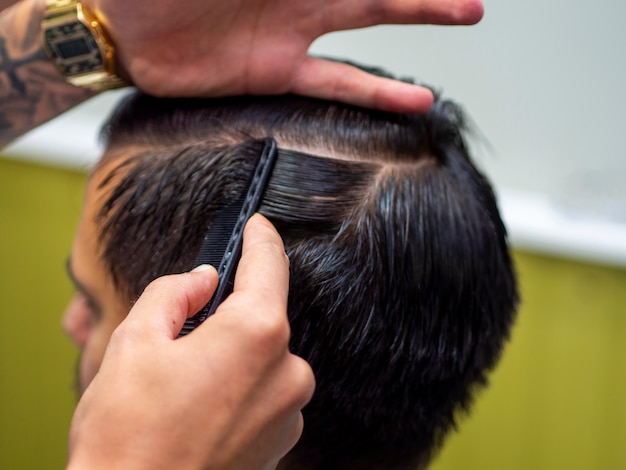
x: 222, y: 242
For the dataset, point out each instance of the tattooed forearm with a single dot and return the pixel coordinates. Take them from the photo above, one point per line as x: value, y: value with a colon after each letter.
x: 7, y: 3
x: 32, y: 91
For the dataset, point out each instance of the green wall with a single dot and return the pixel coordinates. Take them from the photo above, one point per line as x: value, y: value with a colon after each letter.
x: 558, y: 400
x: 39, y: 208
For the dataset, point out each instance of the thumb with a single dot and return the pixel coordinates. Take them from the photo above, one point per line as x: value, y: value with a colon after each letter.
x: 168, y: 301
x: 326, y: 79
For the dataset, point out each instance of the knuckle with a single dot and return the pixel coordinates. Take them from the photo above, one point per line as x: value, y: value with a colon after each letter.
x: 303, y: 380
x: 123, y: 335
x: 272, y: 329
x: 265, y: 326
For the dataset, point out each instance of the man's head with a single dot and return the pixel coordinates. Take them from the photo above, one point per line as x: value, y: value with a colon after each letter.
x: 401, y: 292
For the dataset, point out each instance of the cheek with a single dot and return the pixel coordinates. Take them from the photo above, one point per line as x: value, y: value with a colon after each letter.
x: 90, y: 337
x: 93, y: 354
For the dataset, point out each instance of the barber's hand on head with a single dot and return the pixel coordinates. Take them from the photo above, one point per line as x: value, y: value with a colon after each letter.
x: 217, y: 47
x: 226, y: 396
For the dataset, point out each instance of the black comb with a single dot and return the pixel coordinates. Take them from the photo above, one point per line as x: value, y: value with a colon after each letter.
x: 221, y: 246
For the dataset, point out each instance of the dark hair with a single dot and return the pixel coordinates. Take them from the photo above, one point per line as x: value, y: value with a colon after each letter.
x: 402, y: 291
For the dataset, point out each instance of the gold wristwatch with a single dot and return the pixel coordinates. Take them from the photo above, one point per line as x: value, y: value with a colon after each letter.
x: 79, y: 46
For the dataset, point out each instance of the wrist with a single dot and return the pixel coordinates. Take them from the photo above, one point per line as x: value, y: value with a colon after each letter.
x: 79, y: 46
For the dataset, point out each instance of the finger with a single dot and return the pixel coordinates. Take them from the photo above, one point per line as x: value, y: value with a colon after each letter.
x: 256, y: 311
x: 444, y: 12
x: 320, y: 78
x: 254, y: 315
x: 263, y: 271
x: 343, y: 15
x: 168, y: 301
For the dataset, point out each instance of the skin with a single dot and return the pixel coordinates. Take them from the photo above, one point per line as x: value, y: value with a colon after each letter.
x: 96, y: 309
x: 261, y: 47
x: 213, y: 48
x: 246, y: 416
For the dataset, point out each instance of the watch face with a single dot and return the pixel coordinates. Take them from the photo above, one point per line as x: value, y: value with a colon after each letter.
x: 74, y: 49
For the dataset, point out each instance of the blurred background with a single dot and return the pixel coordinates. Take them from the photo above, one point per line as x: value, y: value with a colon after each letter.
x: 544, y: 84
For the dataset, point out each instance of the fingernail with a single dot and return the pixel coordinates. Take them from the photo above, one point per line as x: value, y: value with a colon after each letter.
x: 202, y: 267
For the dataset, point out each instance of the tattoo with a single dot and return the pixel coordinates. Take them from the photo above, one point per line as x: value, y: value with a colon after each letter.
x: 10, y: 67
x: 32, y: 90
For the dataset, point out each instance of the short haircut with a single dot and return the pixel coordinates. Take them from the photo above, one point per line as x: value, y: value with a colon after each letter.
x: 402, y: 290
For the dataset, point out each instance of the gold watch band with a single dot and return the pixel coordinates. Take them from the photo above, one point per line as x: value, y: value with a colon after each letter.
x: 68, y: 26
